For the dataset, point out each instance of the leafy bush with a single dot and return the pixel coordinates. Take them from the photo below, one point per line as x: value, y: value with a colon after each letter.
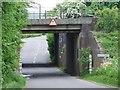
x: 17, y: 81
x: 69, y: 9
x: 50, y: 39
x: 14, y: 17
x: 108, y: 19
x: 84, y: 60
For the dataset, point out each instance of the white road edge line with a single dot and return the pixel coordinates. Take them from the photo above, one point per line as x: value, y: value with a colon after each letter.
x: 33, y: 61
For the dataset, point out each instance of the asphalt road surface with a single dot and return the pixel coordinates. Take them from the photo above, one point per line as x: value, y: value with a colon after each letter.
x: 35, y: 51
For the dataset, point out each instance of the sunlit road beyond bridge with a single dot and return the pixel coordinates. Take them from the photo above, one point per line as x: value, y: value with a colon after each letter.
x: 35, y: 51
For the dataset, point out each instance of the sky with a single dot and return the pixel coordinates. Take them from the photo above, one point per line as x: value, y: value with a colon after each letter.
x: 45, y: 5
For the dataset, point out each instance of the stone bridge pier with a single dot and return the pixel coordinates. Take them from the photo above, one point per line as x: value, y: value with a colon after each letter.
x: 56, y: 39
x: 71, y: 52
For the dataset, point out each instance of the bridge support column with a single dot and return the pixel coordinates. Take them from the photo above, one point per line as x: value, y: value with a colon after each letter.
x: 72, y: 53
x: 56, y: 39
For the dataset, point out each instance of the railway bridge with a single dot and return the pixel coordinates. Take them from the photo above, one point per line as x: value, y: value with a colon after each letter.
x: 72, y: 28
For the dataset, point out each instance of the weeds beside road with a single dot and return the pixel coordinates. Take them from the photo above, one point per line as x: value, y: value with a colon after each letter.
x: 107, y: 75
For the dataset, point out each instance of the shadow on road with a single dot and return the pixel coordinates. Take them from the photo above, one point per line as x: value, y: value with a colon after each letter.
x: 42, y: 70
x: 32, y: 65
x: 47, y: 75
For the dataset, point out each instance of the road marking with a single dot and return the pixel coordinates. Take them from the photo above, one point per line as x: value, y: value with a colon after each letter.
x: 26, y: 75
x: 27, y: 78
x: 36, y: 53
x: 33, y: 61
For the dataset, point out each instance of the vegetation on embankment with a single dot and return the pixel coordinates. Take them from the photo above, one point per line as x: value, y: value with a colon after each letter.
x: 51, y: 47
x: 14, y: 17
x: 107, y: 74
x: 30, y: 35
x: 107, y: 35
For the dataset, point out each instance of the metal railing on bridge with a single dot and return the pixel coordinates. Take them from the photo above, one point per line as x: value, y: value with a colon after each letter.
x: 83, y: 11
x: 36, y: 16
x: 43, y: 16
x: 47, y: 15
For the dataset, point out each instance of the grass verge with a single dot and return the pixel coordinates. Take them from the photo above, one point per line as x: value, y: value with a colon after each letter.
x: 14, y: 82
x: 101, y: 79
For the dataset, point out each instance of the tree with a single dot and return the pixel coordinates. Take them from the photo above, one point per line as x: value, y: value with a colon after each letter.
x: 68, y: 9
x: 92, y: 7
x: 14, y: 17
x: 108, y: 19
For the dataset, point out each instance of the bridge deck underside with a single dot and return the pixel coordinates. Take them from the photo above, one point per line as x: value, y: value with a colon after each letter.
x: 52, y: 29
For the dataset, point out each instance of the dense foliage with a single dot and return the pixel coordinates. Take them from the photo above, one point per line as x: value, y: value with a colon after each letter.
x: 51, y: 46
x: 13, y: 19
x: 0, y: 47
x: 78, y: 8
x: 95, y: 6
x: 108, y: 19
x: 68, y: 10
x: 84, y: 60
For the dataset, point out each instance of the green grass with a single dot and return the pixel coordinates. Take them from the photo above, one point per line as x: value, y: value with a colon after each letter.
x: 109, y: 75
x: 13, y: 81
x: 16, y: 84
x: 30, y: 35
x: 62, y: 68
x: 109, y: 42
x: 102, y: 79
